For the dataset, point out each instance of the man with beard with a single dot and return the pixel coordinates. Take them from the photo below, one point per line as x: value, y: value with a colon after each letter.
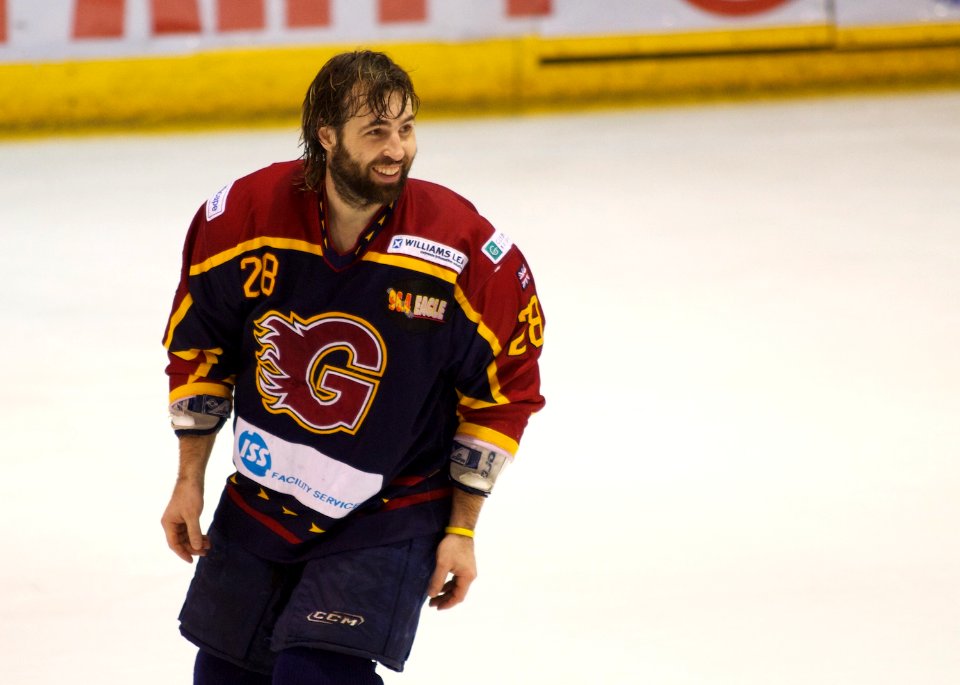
x: 376, y: 341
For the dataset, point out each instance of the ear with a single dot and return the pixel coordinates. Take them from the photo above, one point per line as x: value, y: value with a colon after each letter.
x: 327, y: 137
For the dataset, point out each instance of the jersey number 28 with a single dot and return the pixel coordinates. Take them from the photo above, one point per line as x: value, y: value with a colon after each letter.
x: 533, y: 333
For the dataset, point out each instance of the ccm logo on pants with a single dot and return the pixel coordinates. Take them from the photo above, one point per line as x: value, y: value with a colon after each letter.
x: 335, y: 618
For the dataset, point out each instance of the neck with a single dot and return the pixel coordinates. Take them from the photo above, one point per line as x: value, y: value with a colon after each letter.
x: 345, y: 220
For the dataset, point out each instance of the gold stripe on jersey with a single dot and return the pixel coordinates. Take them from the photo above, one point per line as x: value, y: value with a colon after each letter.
x: 412, y: 264
x: 255, y: 244
x: 210, y: 356
x: 494, y: 382
x: 473, y: 402
x: 474, y: 316
x: 499, y: 398
x: 489, y: 435
x: 491, y: 339
x: 177, y: 317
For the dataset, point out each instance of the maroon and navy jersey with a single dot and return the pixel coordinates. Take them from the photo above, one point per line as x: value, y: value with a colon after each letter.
x: 351, y: 374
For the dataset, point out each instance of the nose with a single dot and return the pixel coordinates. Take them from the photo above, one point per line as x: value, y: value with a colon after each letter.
x: 393, y: 149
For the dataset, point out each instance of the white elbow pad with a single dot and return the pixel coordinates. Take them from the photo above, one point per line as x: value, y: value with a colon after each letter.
x: 475, y: 464
x: 200, y: 414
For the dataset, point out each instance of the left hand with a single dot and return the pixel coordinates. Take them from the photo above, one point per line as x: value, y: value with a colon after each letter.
x: 181, y: 521
x: 455, y: 556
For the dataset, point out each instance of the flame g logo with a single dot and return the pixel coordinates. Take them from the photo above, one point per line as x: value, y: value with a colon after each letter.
x: 323, y: 371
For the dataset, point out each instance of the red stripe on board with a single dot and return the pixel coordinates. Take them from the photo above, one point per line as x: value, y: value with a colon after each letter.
x: 393, y: 11
x: 3, y: 21
x: 528, y: 8
x: 240, y: 15
x: 302, y: 13
x: 98, y: 19
x: 736, y: 8
x: 175, y: 16
x: 262, y: 518
x: 410, y: 500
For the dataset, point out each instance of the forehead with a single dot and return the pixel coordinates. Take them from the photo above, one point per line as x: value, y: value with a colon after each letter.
x: 391, y: 108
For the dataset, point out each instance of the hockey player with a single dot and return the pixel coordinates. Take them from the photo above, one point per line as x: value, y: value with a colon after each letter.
x: 376, y: 342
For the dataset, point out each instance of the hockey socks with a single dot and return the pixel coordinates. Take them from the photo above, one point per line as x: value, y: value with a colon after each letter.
x: 211, y: 670
x: 305, y: 666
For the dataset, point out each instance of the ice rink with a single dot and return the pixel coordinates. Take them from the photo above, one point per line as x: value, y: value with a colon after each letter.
x: 748, y: 469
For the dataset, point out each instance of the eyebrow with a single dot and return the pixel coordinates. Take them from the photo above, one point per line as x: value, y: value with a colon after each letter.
x: 381, y: 122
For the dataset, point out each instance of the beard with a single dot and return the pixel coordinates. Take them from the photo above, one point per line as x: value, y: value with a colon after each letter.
x: 355, y: 184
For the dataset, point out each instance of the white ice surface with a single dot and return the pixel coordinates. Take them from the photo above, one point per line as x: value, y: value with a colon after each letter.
x: 747, y: 472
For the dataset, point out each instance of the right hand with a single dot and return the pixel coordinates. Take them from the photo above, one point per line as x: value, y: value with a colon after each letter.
x: 181, y: 521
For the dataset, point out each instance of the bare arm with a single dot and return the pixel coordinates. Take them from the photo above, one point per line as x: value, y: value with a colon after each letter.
x: 455, y: 555
x: 181, y: 520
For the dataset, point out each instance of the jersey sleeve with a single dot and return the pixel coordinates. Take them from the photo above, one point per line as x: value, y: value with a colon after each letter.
x: 203, y: 328
x: 499, y: 385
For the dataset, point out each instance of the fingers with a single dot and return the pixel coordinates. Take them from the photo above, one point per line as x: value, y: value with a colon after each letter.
x: 184, y: 537
x: 175, y: 543
x: 436, y: 585
x: 454, y: 591
x: 194, y: 535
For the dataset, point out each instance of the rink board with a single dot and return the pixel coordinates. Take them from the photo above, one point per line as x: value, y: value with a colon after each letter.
x: 499, y: 65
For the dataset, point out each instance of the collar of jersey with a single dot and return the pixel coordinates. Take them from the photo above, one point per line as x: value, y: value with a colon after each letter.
x: 342, y: 261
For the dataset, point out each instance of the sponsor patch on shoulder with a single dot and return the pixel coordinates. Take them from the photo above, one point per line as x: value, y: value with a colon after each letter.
x: 497, y: 247
x: 217, y: 204
x: 428, y: 250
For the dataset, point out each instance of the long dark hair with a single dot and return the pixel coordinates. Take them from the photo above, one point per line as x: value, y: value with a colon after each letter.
x: 347, y: 84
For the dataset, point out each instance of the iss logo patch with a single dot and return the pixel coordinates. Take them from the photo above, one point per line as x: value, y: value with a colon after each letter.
x: 254, y: 453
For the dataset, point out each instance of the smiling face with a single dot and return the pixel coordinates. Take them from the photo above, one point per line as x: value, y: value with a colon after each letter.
x: 369, y: 157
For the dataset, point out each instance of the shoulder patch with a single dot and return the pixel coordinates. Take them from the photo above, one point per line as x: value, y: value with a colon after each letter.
x: 523, y: 275
x: 497, y: 247
x: 217, y: 204
x: 428, y: 250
